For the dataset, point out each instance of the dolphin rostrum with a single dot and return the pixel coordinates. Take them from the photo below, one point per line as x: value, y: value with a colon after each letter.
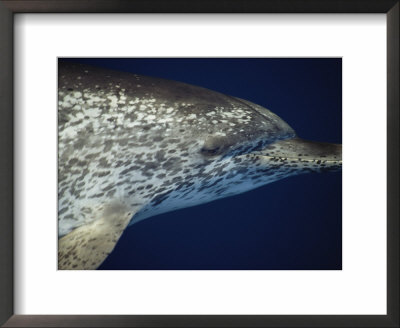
x: 131, y: 147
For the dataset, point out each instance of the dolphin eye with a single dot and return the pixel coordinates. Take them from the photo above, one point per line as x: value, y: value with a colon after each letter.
x: 214, y: 145
x: 210, y: 152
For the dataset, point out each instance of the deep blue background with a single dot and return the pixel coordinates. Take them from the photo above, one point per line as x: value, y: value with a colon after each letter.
x: 292, y: 224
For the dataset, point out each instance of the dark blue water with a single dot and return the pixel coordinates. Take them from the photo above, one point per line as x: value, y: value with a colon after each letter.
x: 292, y: 224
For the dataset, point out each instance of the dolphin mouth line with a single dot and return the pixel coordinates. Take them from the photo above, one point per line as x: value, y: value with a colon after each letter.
x: 298, y: 159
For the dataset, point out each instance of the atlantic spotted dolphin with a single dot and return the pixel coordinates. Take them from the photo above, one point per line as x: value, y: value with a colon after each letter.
x: 131, y: 147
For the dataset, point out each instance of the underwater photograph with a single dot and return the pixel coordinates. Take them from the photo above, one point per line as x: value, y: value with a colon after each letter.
x: 199, y: 163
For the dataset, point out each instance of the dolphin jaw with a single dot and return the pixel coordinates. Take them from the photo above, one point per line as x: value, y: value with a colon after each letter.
x: 299, y: 154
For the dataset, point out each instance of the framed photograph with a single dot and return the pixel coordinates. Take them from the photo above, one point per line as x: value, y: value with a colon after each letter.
x: 183, y: 165
x: 180, y: 163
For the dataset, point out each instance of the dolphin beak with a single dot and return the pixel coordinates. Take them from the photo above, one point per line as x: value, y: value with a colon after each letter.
x: 317, y: 156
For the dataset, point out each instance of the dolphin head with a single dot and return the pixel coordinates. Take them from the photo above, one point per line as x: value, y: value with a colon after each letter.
x: 226, y: 146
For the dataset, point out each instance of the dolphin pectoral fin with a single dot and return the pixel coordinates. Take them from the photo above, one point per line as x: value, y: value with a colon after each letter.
x: 86, y: 247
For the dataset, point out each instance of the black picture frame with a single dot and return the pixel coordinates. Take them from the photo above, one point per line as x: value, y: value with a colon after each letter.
x: 10, y: 7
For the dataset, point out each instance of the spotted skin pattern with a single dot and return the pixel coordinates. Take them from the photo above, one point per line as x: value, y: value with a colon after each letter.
x: 131, y: 147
